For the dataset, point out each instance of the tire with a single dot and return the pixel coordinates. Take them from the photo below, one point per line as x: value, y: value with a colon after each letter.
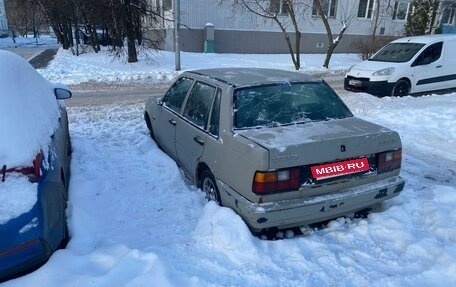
x: 401, y: 88
x: 209, y: 187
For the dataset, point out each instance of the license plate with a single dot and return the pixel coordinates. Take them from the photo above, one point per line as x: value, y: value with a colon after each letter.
x: 355, y: 83
x: 340, y: 168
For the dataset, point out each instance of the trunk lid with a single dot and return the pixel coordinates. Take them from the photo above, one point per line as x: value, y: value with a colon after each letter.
x: 324, y: 141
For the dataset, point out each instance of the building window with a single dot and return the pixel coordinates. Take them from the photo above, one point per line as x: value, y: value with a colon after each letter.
x: 278, y: 7
x: 365, y: 9
x: 401, y: 9
x: 329, y: 8
x: 448, y: 16
x: 167, y: 5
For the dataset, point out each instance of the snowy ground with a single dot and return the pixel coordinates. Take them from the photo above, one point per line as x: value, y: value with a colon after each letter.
x: 135, y: 221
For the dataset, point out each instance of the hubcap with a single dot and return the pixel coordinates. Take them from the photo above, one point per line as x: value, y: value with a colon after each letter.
x: 401, y: 89
x: 209, y: 189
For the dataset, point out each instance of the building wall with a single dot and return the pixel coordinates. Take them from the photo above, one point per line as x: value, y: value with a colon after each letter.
x: 3, y: 23
x: 238, y: 31
x: 265, y: 42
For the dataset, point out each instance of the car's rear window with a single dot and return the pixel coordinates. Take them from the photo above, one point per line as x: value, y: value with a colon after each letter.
x: 284, y: 104
x: 397, y: 52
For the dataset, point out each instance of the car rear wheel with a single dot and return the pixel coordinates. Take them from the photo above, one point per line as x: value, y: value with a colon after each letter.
x: 209, y: 187
x: 401, y: 89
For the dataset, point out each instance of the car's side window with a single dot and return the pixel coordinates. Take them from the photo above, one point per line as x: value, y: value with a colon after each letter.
x: 176, y: 94
x: 215, y: 115
x: 199, y: 103
x: 430, y: 54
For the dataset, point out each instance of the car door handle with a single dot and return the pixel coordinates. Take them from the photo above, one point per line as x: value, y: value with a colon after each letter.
x: 439, y: 66
x: 198, y: 140
x: 173, y: 122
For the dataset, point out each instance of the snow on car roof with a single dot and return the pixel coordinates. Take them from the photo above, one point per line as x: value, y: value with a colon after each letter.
x: 254, y: 76
x: 28, y: 111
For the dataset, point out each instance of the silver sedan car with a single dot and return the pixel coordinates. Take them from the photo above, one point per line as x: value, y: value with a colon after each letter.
x: 280, y: 148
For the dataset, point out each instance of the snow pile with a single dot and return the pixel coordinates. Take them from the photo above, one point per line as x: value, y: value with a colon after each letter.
x: 159, y: 66
x: 135, y: 220
x: 17, y: 196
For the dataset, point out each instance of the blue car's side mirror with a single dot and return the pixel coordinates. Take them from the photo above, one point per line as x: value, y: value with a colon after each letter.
x: 62, y: 94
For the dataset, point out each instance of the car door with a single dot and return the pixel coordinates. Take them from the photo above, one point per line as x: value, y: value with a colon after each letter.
x: 166, y: 118
x: 430, y: 69
x: 191, y: 129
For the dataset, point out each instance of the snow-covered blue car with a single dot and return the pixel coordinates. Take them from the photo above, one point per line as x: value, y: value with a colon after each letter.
x: 35, y: 151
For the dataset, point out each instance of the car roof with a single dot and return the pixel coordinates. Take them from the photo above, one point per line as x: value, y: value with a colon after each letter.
x: 239, y: 77
x: 425, y: 39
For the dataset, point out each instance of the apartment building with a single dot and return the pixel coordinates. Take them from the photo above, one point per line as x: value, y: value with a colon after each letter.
x: 240, y: 31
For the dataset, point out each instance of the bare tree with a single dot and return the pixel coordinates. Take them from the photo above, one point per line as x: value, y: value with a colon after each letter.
x: 322, y: 6
x: 60, y: 15
x: 281, y: 12
x: 24, y: 16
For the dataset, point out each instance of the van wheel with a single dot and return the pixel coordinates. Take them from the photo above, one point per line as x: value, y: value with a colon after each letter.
x: 209, y: 187
x: 401, y: 89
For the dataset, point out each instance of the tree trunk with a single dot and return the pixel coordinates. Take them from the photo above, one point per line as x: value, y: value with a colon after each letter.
x: 332, y: 44
x: 131, y: 46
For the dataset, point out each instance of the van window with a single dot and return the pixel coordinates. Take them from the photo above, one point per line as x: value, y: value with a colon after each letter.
x: 397, y: 52
x: 429, y: 55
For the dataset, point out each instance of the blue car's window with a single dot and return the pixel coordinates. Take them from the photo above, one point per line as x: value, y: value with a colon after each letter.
x: 283, y: 104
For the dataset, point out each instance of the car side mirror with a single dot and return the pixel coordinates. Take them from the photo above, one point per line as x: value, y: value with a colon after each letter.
x: 62, y: 94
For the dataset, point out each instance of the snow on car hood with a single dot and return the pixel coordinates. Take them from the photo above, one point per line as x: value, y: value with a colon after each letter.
x: 28, y: 111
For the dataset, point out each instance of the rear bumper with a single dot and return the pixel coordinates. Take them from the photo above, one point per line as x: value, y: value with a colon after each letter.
x: 376, y: 88
x: 23, y: 257
x: 299, y: 212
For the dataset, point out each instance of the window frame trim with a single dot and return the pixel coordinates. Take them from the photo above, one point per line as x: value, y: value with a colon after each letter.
x: 370, y: 4
x: 396, y: 8
x: 330, y: 2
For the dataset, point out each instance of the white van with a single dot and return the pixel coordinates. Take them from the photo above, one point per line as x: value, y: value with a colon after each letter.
x: 407, y: 66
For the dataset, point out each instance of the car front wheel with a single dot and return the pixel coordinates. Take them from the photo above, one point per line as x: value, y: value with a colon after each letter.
x: 401, y: 89
x: 209, y: 187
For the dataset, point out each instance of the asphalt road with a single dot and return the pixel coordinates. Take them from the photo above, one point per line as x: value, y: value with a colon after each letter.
x: 105, y: 97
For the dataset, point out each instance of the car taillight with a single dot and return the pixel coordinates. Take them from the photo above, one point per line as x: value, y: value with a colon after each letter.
x: 389, y: 160
x: 33, y: 172
x: 275, y: 181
